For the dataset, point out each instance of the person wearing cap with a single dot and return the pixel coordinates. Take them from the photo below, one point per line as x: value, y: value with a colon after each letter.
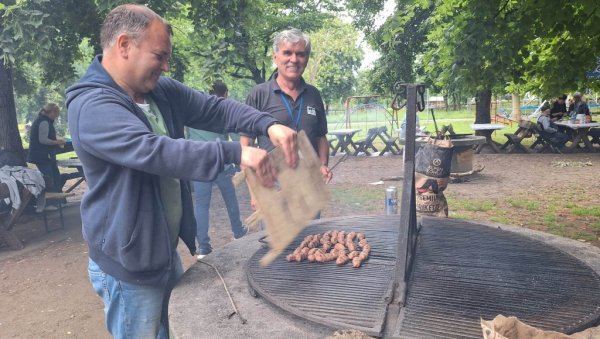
x: 578, y: 106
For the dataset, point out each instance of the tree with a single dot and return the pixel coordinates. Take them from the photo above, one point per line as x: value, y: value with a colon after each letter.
x: 334, y: 60
x: 480, y: 47
x: 239, y: 32
x: 400, y: 41
x: 33, y: 32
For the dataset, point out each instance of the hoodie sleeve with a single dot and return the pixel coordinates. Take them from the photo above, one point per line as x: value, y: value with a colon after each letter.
x: 108, y: 127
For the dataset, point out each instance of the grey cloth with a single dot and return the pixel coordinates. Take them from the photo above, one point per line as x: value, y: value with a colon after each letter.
x: 547, y: 124
x: 43, y: 134
x: 29, y: 178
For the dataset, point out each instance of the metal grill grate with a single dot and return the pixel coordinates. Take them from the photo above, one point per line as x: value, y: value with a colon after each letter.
x: 339, y: 297
x: 464, y: 271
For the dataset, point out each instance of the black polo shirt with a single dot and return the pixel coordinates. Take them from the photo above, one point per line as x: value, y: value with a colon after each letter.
x: 267, y: 97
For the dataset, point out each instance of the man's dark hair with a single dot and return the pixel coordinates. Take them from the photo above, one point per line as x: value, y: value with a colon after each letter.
x: 218, y: 88
x: 564, y: 97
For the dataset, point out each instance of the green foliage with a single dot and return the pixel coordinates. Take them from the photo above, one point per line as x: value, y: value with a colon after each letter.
x: 39, y: 34
x: 334, y: 60
x: 467, y: 46
x: 238, y: 34
x: 400, y: 41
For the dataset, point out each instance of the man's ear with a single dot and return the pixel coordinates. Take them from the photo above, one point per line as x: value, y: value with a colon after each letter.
x: 123, y: 44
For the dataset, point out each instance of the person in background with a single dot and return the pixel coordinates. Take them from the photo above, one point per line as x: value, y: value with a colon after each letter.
x: 557, y: 137
x: 290, y: 99
x: 578, y: 106
x: 559, y: 108
x: 127, y: 126
x: 43, y: 146
x: 203, y: 190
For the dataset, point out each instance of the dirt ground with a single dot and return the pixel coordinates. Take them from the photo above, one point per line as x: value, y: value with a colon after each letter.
x: 45, y: 293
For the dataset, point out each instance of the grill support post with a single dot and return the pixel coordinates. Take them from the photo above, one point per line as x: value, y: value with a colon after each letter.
x: 407, y: 234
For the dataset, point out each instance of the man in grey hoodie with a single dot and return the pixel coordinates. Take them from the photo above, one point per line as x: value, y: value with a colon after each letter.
x: 127, y: 126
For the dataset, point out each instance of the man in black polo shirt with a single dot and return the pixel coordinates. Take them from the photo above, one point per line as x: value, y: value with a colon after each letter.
x: 290, y: 99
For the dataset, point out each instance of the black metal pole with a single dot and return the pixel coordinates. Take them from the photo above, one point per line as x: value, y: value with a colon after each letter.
x: 408, y: 221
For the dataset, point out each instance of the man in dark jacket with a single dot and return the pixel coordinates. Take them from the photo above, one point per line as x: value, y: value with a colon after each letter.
x: 127, y: 126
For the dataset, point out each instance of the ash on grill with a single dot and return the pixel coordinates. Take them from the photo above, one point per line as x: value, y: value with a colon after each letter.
x: 333, y: 245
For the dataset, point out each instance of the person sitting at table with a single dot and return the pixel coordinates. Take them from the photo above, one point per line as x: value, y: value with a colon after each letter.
x: 578, y: 106
x: 43, y: 145
x: 559, y: 108
x: 557, y: 137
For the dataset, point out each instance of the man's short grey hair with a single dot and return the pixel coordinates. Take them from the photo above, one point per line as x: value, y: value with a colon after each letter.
x: 293, y: 36
x: 131, y: 19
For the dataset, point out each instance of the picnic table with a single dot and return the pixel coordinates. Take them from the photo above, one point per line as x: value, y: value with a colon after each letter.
x: 579, y: 133
x: 79, y: 175
x: 486, y: 130
x: 344, y: 137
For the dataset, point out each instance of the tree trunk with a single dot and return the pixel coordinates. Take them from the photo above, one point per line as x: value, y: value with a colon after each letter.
x: 10, y: 140
x: 494, y: 107
x: 446, y: 102
x: 482, y: 106
x: 516, y: 107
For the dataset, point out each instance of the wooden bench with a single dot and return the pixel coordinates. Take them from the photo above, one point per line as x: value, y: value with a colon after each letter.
x: 366, y: 144
x: 595, y: 134
x: 543, y: 139
x: 58, y: 199
x: 513, y: 142
x: 391, y: 144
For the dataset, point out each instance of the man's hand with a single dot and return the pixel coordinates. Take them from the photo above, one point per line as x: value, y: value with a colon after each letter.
x: 327, y: 174
x: 258, y: 160
x: 286, y: 138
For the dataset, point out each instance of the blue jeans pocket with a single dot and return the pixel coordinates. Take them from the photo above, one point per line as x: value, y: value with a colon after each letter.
x: 98, y: 280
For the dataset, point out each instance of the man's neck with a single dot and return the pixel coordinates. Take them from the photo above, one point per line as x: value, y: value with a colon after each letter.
x: 291, y: 88
x: 112, y: 69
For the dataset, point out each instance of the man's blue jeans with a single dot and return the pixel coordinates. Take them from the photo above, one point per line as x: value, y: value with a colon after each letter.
x: 203, y: 192
x: 135, y: 311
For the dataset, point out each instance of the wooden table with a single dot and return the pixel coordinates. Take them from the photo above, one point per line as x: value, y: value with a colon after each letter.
x: 344, y: 137
x: 79, y: 175
x: 579, y: 133
x: 486, y: 130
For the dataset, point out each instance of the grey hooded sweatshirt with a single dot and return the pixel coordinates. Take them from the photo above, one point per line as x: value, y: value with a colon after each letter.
x: 123, y: 218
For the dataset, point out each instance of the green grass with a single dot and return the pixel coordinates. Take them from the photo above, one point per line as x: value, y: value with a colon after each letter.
x: 585, y: 236
x: 461, y: 122
x: 553, y: 226
x: 473, y: 205
x: 586, y: 211
x: 523, y: 203
x: 371, y: 198
x: 596, y: 226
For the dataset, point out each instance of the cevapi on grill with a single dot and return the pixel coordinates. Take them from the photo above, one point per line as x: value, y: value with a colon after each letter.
x: 333, y: 245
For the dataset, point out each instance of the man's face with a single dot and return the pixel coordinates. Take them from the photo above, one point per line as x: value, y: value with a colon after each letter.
x: 149, y: 58
x: 291, y: 60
